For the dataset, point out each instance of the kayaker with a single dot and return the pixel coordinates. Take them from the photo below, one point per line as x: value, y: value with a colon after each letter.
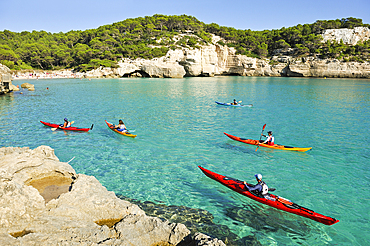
x: 234, y: 102
x: 270, y: 139
x: 66, y: 123
x: 121, y: 126
x: 261, y: 187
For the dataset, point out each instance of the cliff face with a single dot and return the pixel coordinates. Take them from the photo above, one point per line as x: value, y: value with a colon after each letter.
x: 330, y: 68
x: 349, y: 36
x: 213, y: 60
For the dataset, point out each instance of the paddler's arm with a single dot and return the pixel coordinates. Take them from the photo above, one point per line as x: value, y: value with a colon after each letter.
x: 246, y: 186
x: 257, y: 187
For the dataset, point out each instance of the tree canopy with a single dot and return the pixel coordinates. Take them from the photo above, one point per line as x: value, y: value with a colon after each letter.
x: 152, y: 36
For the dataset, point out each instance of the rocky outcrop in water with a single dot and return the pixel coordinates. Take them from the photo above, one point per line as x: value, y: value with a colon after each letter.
x: 45, y: 202
x: 28, y: 86
x: 5, y: 80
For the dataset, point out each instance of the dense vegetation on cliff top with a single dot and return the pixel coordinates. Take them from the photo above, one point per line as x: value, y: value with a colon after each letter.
x: 153, y: 36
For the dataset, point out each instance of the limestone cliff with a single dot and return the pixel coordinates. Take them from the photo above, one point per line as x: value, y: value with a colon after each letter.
x: 349, y: 36
x: 215, y: 59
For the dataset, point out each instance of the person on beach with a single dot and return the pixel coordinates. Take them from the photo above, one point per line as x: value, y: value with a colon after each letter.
x: 65, y: 124
x: 121, y: 126
x: 260, y: 188
x: 269, y: 139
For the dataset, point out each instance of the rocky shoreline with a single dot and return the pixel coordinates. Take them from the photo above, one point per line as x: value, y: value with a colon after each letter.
x: 45, y: 202
x: 215, y: 59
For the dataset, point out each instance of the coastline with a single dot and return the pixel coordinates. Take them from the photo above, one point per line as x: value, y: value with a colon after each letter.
x: 261, y: 68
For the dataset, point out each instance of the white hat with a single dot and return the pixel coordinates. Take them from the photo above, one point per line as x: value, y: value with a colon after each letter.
x: 258, y: 176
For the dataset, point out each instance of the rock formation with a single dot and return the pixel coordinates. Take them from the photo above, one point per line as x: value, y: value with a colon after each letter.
x: 5, y: 80
x: 349, y: 36
x: 214, y: 59
x: 44, y: 202
x: 28, y: 86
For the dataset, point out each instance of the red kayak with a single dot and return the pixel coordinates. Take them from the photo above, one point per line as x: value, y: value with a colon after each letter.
x: 277, y: 202
x: 71, y: 128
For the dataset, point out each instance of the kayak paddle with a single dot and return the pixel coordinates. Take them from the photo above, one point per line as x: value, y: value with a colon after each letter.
x: 53, y: 129
x: 263, y: 128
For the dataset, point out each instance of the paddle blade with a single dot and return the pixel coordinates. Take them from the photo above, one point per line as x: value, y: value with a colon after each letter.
x: 53, y: 129
x: 263, y: 128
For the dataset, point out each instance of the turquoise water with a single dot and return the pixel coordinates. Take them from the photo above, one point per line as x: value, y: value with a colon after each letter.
x: 180, y: 127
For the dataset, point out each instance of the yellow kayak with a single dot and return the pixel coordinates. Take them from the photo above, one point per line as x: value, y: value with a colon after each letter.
x: 275, y: 146
x: 122, y: 133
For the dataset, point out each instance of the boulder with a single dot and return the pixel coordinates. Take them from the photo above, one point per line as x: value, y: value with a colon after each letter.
x: 44, y: 202
x: 28, y: 86
x: 205, y: 240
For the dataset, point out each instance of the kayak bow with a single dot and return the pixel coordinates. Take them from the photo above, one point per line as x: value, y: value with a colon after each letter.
x: 71, y: 128
x: 275, y: 146
x: 276, y: 201
x: 110, y: 125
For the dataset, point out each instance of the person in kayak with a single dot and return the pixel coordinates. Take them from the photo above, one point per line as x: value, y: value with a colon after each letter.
x: 270, y: 139
x: 121, y: 126
x: 234, y: 102
x: 65, y: 124
x: 260, y: 188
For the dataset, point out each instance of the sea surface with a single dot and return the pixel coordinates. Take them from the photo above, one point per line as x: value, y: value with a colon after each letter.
x: 179, y: 126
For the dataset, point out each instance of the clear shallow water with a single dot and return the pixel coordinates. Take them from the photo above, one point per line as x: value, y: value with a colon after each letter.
x: 180, y: 127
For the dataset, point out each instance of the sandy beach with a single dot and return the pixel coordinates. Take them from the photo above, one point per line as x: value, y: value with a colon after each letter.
x: 60, y: 74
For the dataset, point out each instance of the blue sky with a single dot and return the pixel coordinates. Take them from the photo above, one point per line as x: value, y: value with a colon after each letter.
x: 65, y: 15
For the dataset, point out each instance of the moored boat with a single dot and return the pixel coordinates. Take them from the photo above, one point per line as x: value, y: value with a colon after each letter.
x: 273, y: 201
x: 275, y: 146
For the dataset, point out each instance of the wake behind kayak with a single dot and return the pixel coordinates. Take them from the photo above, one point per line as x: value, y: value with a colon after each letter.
x: 277, y: 202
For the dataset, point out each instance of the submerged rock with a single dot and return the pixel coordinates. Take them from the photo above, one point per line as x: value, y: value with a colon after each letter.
x: 200, y: 222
